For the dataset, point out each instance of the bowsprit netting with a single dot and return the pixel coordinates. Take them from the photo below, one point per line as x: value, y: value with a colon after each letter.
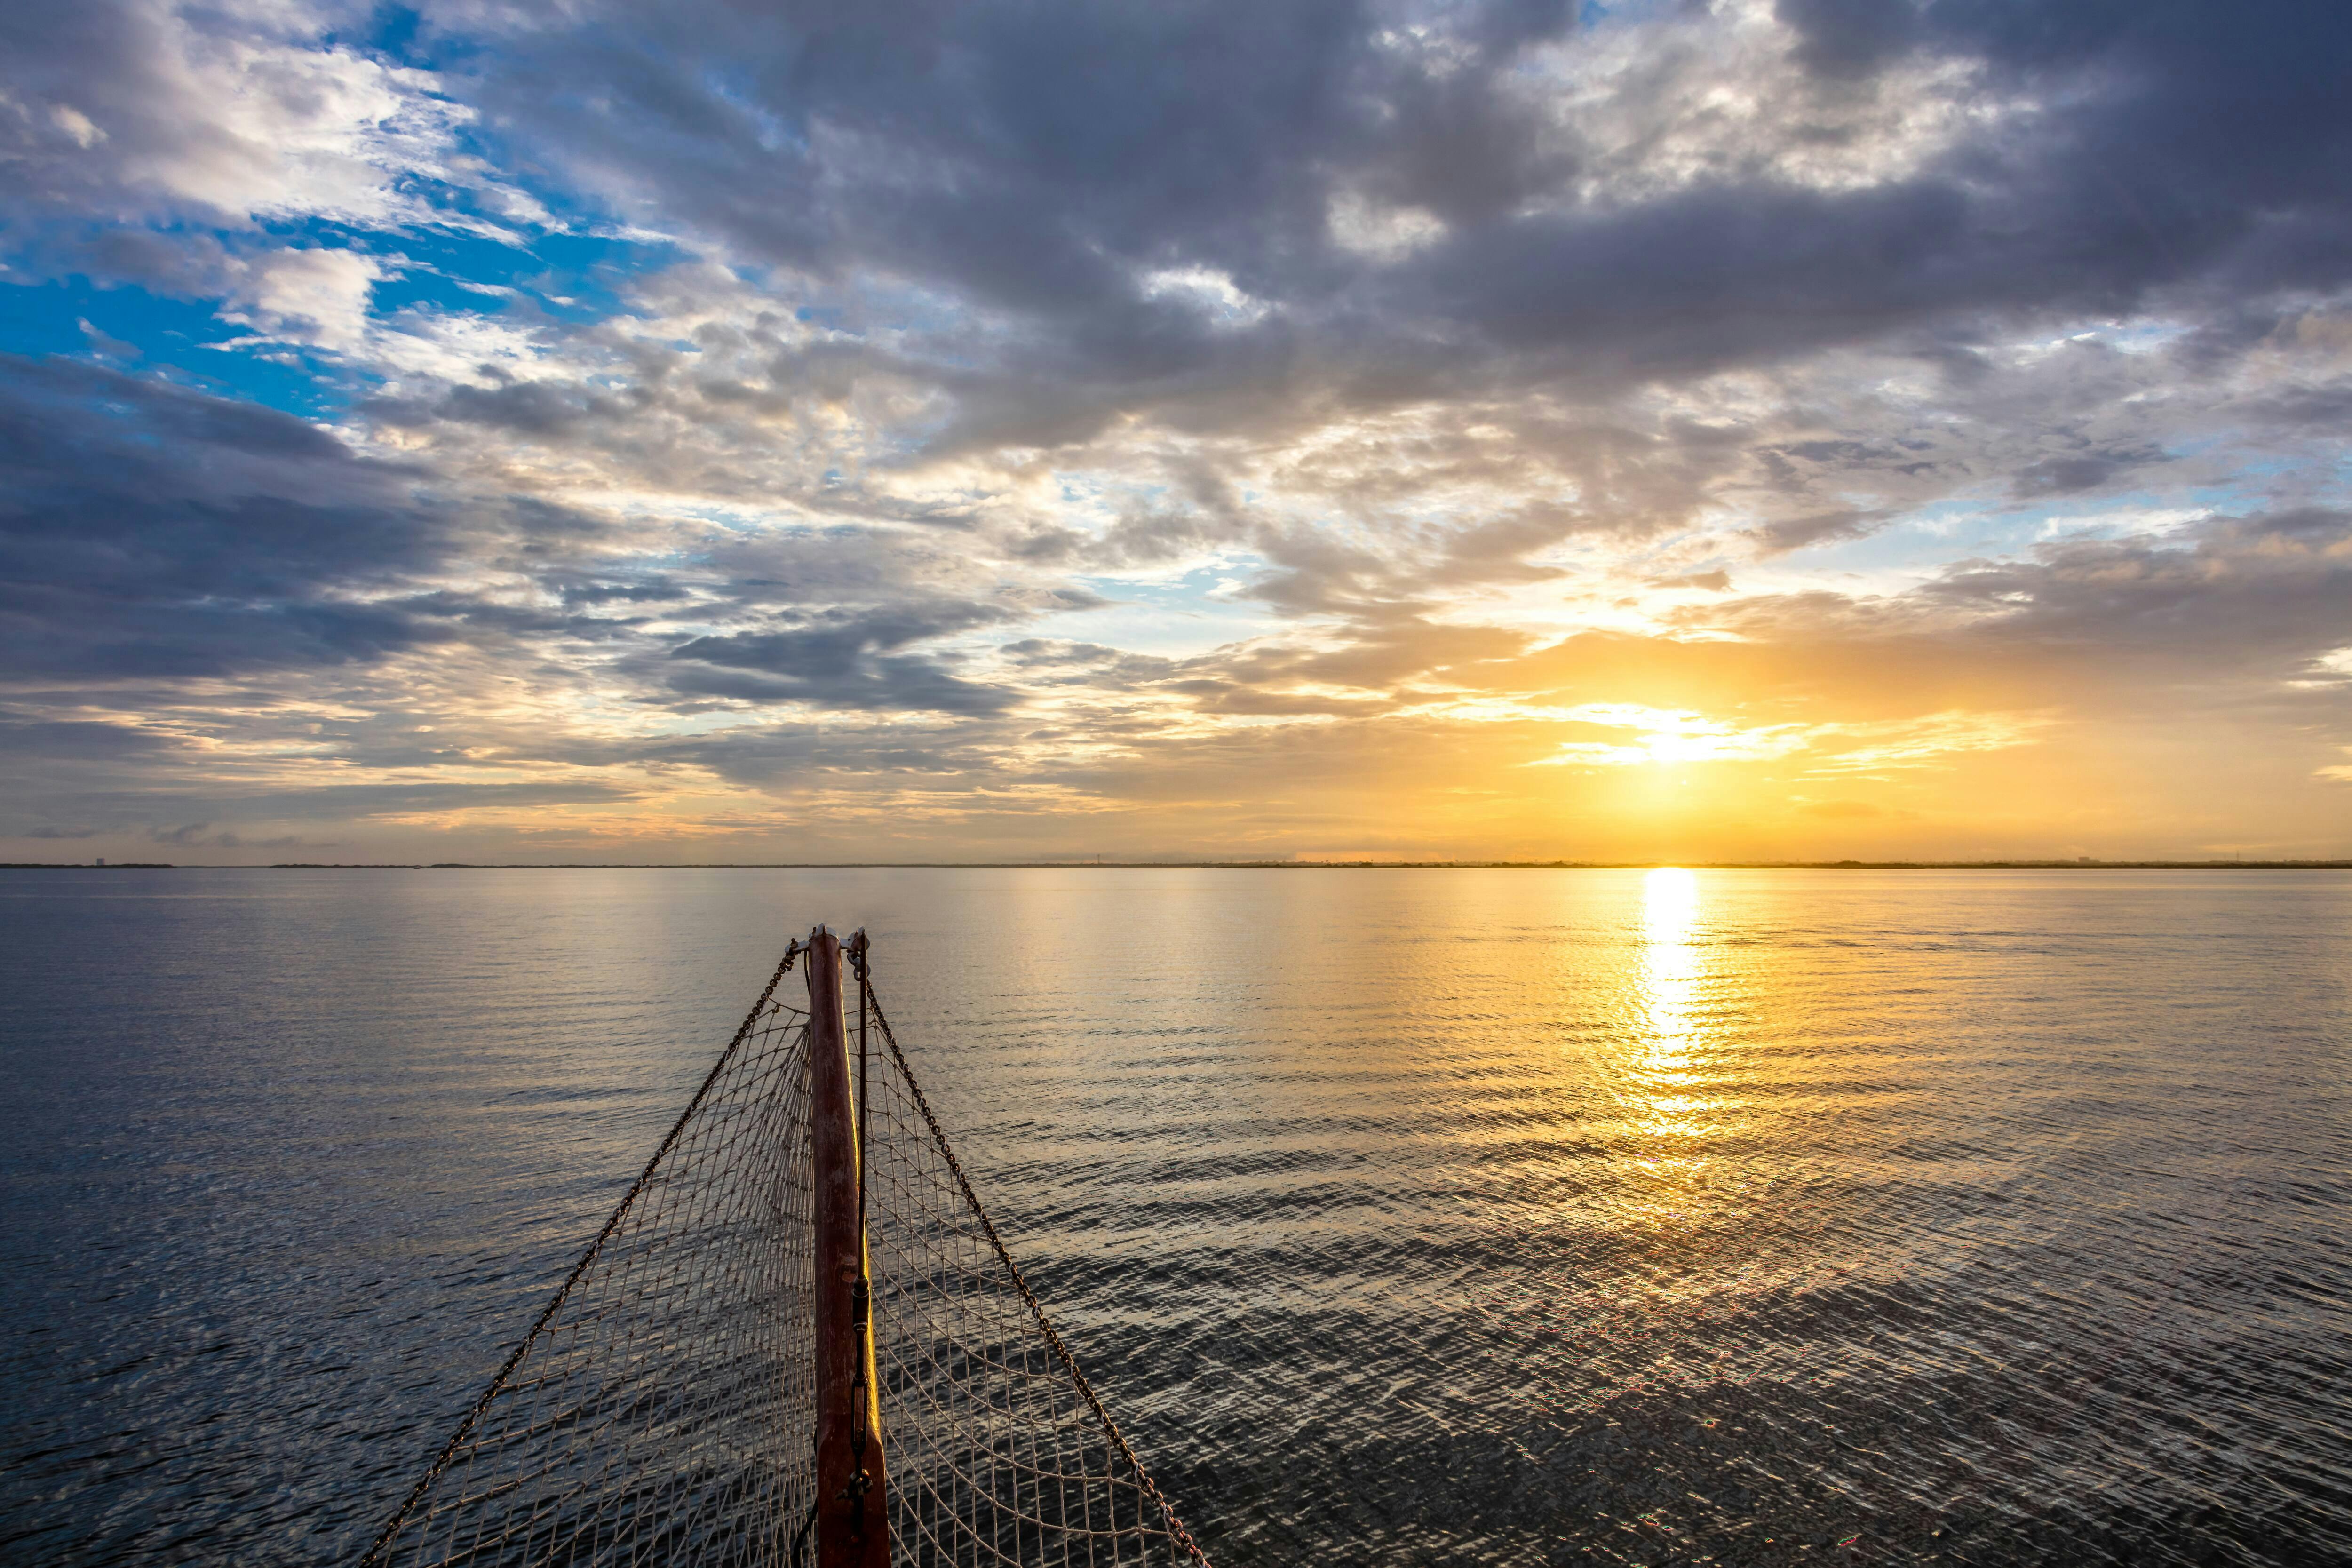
x: 1000, y: 1451
x: 667, y: 1405
x: 658, y: 1410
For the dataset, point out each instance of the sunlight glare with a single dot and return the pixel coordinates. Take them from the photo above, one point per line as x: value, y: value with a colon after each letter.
x: 1672, y: 970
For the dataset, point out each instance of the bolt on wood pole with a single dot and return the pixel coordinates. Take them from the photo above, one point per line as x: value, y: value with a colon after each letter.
x: 852, y: 1526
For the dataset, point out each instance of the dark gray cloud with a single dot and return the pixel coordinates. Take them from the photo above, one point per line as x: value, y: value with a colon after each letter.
x: 1047, y: 159
x: 69, y: 740
x: 2079, y: 471
x: 793, y: 758
x: 146, y: 528
x: 848, y: 660
x: 654, y: 591
x: 1800, y: 533
x: 1054, y: 662
x: 2241, y: 596
x: 1849, y: 38
x: 201, y: 834
x: 882, y: 683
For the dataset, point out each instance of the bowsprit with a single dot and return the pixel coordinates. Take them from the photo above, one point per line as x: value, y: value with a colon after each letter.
x: 798, y: 1340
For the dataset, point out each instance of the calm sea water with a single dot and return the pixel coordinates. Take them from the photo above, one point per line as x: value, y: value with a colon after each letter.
x: 1405, y: 1216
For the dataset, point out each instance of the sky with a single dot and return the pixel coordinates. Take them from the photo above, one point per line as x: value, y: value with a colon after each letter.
x: 707, y: 431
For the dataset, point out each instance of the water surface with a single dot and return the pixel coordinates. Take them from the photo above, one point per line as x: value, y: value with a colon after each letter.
x: 1405, y: 1216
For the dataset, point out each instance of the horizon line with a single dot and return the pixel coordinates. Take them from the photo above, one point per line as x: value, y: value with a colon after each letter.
x: 2009, y: 863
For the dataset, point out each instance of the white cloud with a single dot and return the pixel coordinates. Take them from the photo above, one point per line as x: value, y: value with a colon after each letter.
x: 316, y: 296
x: 76, y: 124
x: 1710, y: 96
x: 1380, y: 230
x: 1207, y: 289
x: 1921, y: 742
x: 251, y: 116
x: 1669, y: 735
x: 2329, y: 669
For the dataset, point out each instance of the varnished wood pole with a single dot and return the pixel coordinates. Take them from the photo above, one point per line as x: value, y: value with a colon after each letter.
x: 853, y: 1527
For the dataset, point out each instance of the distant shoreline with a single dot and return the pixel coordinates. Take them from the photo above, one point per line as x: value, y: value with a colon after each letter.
x: 2073, y: 865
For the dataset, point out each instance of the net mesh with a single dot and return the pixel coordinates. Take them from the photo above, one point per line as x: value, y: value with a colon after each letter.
x: 662, y: 1408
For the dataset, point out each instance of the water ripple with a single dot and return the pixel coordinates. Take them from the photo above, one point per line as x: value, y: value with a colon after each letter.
x: 1405, y: 1218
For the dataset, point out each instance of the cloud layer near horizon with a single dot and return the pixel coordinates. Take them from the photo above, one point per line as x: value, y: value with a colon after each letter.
x: 1518, y: 430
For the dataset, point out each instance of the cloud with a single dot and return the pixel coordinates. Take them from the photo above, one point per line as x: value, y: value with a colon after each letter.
x: 2253, y: 595
x: 848, y: 660
x: 1847, y: 38
x: 77, y: 741
x: 970, y: 154
x: 1927, y: 741
x: 151, y: 529
x: 1784, y: 534
x: 317, y: 297
x: 142, y: 109
x: 1282, y: 417
x: 1664, y: 736
x: 199, y: 835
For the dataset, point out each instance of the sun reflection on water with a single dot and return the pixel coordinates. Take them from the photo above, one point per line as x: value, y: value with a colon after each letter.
x: 1673, y: 1038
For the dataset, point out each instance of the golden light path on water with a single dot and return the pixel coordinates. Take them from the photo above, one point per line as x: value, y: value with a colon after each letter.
x: 1672, y: 1039
x: 1674, y: 1085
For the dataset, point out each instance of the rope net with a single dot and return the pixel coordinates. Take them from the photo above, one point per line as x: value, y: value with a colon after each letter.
x: 662, y: 1408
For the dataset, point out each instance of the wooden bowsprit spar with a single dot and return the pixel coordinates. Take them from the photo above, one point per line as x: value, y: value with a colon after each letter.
x: 852, y: 1526
x: 802, y: 1266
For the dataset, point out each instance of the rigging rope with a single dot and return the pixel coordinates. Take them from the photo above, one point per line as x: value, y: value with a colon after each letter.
x: 1175, y: 1528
